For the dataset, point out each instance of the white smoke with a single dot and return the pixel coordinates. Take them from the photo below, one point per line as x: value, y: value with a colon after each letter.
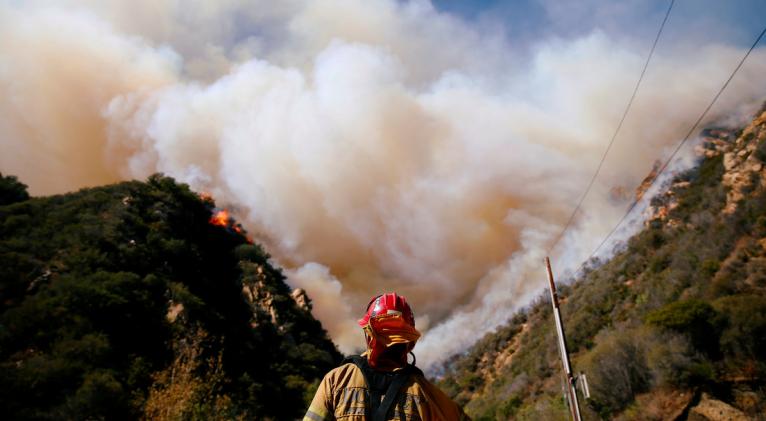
x: 323, y: 288
x: 373, y: 146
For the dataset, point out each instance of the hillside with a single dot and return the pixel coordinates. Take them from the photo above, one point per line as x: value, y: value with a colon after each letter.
x: 126, y: 302
x: 672, y: 327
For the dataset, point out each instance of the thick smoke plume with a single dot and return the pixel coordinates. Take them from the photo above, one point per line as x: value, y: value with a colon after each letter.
x: 374, y: 146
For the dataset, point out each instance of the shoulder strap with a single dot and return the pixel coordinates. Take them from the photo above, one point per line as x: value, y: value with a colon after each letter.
x: 391, y: 394
x: 394, y: 388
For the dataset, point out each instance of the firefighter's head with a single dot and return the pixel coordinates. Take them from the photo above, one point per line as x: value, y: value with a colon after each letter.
x: 389, y: 329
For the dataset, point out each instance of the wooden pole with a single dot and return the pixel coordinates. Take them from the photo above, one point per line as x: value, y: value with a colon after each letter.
x: 574, y: 406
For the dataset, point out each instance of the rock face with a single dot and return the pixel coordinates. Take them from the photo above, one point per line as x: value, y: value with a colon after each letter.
x: 301, y: 299
x: 710, y: 409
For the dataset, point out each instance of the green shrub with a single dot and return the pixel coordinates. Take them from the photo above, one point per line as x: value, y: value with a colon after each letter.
x: 743, y: 339
x: 617, y: 371
x: 695, y: 318
x: 709, y: 267
x: 672, y: 360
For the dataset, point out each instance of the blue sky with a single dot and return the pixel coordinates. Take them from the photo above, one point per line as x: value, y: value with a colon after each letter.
x: 736, y: 21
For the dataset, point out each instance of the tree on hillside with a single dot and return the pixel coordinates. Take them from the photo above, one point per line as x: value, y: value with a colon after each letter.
x: 12, y: 190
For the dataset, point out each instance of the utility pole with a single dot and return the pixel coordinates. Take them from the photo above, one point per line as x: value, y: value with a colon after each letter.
x: 571, y: 392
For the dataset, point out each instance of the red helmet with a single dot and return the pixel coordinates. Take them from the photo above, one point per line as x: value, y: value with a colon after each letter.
x: 389, y: 304
x: 389, y: 321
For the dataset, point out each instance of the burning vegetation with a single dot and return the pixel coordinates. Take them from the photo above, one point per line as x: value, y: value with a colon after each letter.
x: 222, y: 218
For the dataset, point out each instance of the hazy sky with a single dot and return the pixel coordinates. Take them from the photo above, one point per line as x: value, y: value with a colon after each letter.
x: 432, y: 149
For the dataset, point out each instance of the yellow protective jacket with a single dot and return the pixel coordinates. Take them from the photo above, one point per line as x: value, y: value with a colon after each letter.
x: 343, y: 395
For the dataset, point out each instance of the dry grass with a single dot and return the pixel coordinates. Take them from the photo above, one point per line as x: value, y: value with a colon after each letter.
x: 188, y: 388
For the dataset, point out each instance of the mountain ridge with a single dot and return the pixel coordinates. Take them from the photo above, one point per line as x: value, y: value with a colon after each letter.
x: 125, y: 302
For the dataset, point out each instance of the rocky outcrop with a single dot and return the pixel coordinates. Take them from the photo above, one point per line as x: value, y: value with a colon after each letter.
x: 664, y: 203
x: 744, y: 163
x: 301, y: 299
x: 715, y: 141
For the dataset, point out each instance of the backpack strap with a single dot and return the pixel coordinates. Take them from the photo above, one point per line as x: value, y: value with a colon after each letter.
x: 391, y: 394
x: 400, y: 378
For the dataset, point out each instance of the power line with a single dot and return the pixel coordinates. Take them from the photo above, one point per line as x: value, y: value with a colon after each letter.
x: 678, y: 148
x: 616, y: 132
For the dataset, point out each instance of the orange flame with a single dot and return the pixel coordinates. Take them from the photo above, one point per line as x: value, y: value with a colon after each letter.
x: 220, y: 218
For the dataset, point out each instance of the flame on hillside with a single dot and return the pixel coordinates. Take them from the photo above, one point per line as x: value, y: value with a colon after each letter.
x: 223, y: 218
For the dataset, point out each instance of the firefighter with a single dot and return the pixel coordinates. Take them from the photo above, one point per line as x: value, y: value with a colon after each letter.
x: 380, y: 384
